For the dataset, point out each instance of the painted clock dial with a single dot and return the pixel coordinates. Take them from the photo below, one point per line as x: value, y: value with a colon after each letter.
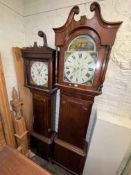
x: 39, y: 73
x: 79, y: 67
x: 80, y: 60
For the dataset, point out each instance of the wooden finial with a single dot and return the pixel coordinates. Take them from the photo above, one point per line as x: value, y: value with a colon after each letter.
x: 14, y: 94
x: 19, y: 123
x: 43, y: 35
x: 35, y: 45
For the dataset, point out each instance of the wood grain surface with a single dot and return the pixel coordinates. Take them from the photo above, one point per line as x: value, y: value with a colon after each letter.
x: 25, y: 93
x: 14, y: 163
x: 6, y: 116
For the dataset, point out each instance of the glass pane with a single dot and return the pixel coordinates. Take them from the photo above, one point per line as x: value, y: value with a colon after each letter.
x: 39, y: 73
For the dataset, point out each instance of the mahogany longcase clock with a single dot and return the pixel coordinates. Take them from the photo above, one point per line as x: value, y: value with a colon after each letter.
x: 39, y: 78
x: 85, y: 47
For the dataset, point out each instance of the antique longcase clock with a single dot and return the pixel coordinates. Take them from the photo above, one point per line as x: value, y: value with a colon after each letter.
x: 39, y: 78
x: 84, y: 47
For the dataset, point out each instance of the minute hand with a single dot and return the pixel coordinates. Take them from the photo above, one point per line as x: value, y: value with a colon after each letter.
x: 40, y: 69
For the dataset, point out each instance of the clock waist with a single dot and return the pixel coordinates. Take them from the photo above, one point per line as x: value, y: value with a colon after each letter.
x: 73, y: 90
x: 47, y: 91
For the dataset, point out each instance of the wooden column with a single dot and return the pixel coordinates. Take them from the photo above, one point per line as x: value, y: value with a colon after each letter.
x: 5, y: 111
x: 19, y: 124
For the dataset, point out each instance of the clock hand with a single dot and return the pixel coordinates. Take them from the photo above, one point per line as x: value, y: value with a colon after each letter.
x: 39, y: 70
x: 42, y: 67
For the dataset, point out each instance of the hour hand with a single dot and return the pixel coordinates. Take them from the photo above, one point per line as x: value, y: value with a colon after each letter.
x: 38, y: 71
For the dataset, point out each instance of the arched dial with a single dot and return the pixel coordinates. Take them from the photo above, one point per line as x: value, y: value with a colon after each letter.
x: 39, y: 73
x: 79, y: 67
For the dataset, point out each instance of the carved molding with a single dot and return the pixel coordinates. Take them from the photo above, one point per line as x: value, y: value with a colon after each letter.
x: 101, y: 27
x: 19, y: 124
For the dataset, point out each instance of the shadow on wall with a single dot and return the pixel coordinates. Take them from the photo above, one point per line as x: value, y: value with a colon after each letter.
x: 125, y: 167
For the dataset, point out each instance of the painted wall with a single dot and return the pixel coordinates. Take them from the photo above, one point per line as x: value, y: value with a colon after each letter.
x: 11, y: 34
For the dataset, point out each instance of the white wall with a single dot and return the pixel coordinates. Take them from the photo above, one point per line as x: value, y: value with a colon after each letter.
x: 109, y: 145
x: 14, y: 5
x: 11, y: 34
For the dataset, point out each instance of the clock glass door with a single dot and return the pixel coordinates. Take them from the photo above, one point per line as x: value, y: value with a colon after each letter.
x: 80, y: 60
x: 39, y: 73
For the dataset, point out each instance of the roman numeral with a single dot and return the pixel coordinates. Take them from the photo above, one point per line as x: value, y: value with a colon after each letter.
x: 90, y: 62
x: 73, y: 57
x: 90, y: 69
x: 88, y: 75
x: 71, y: 77
x: 68, y: 72
x: 80, y: 55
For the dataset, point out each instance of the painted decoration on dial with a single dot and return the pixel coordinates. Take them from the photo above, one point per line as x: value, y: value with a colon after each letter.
x: 39, y: 73
x: 79, y: 67
x: 82, y: 43
x: 80, y: 60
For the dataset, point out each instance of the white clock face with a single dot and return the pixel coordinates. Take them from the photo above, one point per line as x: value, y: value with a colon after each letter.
x: 39, y: 73
x: 79, y: 67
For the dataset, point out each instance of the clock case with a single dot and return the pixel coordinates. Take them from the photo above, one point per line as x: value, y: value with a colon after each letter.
x: 44, y: 99
x: 76, y: 100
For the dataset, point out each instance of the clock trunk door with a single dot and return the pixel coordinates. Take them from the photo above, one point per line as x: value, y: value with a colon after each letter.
x: 42, y: 121
x: 74, y: 118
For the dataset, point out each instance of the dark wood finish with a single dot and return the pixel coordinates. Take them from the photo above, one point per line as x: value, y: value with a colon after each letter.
x: 77, y: 111
x: 77, y: 99
x: 44, y: 98
x: 12, y: 162
x: 42, y: 135
x: 44, y: 54
x: 71, y: 158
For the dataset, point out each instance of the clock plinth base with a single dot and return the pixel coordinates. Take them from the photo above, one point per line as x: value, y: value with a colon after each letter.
x: 69, y: 157
x: 42, y: 146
